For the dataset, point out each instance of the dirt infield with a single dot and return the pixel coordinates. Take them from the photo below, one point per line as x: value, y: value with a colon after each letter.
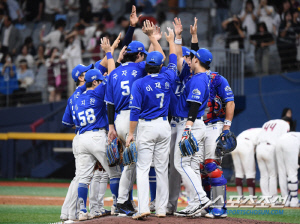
x: 170, y: 219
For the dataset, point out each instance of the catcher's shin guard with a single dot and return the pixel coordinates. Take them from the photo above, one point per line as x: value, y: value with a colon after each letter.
x: 218, y: 187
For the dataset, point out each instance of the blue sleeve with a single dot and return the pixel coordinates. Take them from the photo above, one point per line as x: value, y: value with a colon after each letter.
x: 102, y: 69
x: 136, y: 96
x: 128, y: 36
x: 81, y: 89
x: 100, y: 90
x: 142, y: 65
x: 67, y: 117
x: 134, y: 114
x: 171, y: 71
x: 196, y: 91
x: 109, y: 96
x: 172, y: 60
x: 185, y: 71
x: 224, y: 91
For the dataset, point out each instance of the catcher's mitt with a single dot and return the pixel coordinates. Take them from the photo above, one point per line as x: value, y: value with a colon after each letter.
x: 98, y: 166
x: 114, y: 153
x: 130, y: 154
x: 188, y: 144
x: 226, y: 143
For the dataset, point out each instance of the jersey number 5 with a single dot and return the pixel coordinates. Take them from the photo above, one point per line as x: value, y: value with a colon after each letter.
x: 87, y: 116
x: 162, y: 95
x: 125, y: 87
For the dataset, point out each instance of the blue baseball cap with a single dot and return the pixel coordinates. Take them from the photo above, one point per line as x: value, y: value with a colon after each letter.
x: 155, y: 58
x: 93, y: 74
x: 76, y: 72
x: 203, y: 55
x: 135, y: 47
x: 185, y: 51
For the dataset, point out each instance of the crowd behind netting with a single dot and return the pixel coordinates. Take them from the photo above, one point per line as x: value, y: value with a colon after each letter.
x: 41, y: 41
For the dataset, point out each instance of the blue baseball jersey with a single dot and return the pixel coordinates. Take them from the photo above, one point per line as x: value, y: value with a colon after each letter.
x: 120, y: 82
x: 182, y: 77
x: 195, y: 90
x: 69, y: 118
x: 151, y: 94
x: 219, y: 88
x: 90, y: 109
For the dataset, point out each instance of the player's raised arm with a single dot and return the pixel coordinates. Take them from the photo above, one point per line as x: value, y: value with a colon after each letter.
x: 149, y: 29
x: 113, y: 47
x: 157, y: 34
x: 193, y: 32
x: 178, y: 41
x: 105, y: 45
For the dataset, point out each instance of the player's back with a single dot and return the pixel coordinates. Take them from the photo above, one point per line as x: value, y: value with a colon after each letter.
x: 90, y: 109
x: 155, y: 95
x: 272, y: 130
x: 250, y: 134
x: 120, y: 83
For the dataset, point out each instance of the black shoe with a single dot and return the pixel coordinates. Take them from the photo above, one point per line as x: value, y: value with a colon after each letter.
x: 130, y: 206
x: 124, y: 210
x: 199, y: 208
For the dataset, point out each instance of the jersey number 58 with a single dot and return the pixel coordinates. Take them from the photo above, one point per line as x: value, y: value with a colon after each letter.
x: 87, y: 116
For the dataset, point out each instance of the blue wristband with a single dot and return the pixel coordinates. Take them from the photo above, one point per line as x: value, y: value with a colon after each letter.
x: 108, y: 55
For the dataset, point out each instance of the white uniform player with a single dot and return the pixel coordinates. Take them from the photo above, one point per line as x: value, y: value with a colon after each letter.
x: 287, y: 152
x: 149, y: 105
x: 265, y: 154
x: 68, y: 210
x: 244, y: 159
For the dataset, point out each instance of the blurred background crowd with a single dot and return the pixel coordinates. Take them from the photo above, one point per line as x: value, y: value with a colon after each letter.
x: 41, y: 41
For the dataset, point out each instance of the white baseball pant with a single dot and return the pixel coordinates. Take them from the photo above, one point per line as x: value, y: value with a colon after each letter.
x: 189, y: 166
x: 265, y: 154
x: 92, y: 147
x: 69, y: 207
x: 129, y: 172
x: 244, y: 159
x: 287, y: 151
x: 174, y: 176
x: 153, y: 140
x: 97, y: 190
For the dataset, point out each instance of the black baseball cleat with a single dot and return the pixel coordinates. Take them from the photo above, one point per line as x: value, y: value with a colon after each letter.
x: 124, y: 210
x: 199, y: 208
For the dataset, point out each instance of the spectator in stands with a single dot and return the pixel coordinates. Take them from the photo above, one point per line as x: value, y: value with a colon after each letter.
x: 72, y: 7
x: 40, y: 83
x: 222, y: 14
x: 8, y: 81
x: 33, y: 10
x: 72, y: 55
x: 279, y: 17
x: 163, y: 23
x: 124, y: 23
x: 56, y: 37
x: 262, y: 40
x: 2, y: 16
x: 25, y: 56
x: 234, y: 42
x: 15, y: 11
x: 30, y: 47
x: 108, y: 20
x: 25, y: 76
x: 57, y: 76
x: 248, y: 18
x: 286, y: 43
x: 94, y: 43
x: 97, y: 9
x: 52, y: 7
x: 85, y: 15
x: 10, y: 37
x: 295, y: 5
x: 265, y: 14
x: 85, y: 33
x: 146, y: 6
x: 236, y: 7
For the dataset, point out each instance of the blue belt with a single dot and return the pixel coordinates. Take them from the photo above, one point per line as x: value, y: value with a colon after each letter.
x: 164, y: 118
x: 177, y: 119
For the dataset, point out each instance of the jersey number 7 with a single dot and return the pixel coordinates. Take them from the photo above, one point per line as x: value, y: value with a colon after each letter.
x: 162, y: 95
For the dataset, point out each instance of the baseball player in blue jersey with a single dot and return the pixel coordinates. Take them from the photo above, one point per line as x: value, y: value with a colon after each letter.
x: 117, y: 98
x: 190, y: 109
x: 68, y: 209
x: 149, y: 105
x: 90, y: 111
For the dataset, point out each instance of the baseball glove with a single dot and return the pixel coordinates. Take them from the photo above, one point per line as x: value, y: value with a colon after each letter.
x: 188, y: 144
x: 130, y: 154
x: 114, y: 153
x: 226, y: 143
x: 98, y: 166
